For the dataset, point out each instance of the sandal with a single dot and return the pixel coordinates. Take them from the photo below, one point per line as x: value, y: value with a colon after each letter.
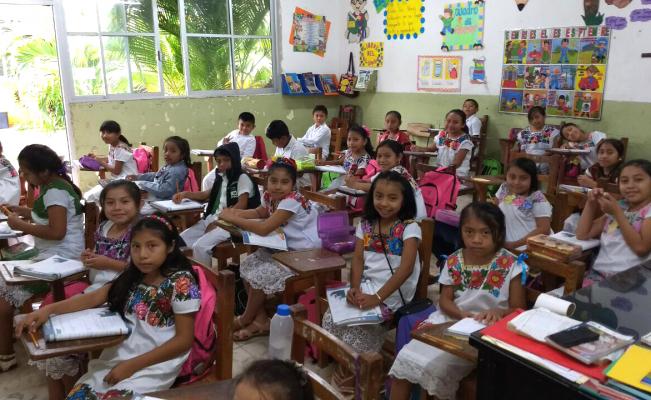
x: 8, y: 362
x: 254, y: 329
x: 237, y: 323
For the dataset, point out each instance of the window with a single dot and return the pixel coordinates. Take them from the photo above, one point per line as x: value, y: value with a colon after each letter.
x: 138, y: 48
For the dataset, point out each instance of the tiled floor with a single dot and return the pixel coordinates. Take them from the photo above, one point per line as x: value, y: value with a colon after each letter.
x: 28, y: 383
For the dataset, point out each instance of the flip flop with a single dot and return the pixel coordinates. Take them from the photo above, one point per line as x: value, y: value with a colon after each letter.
x: 237, y: 323
x: 250, y: 331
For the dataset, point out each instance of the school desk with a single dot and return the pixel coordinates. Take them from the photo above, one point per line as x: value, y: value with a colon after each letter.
x: 220, y: 390
x: 207, y: 157
x: 435, y: 336
x: 315, y: 265
x: 56, y: 286
x: 47, y: 350
x: 620, y: 302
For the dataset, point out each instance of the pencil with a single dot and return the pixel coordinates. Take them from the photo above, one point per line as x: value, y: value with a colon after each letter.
x: 177, y: 186
x: 31, y: 335
x: 8, y: 270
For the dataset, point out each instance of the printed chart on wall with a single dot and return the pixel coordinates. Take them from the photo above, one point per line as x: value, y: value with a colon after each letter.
x: 463, y: 26
x: 561, y: 69
x: 439, y: 73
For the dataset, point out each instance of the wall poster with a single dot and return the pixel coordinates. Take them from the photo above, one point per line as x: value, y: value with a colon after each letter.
x: 463, y: 26
x: 561, y: 69
x: 404, y: 19
x: 439, y: 73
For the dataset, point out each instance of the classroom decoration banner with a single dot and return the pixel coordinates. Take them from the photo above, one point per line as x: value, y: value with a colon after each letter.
x: 404, y: 19
x: 371, y: 54
x: 309, y: 32
x: 463, y: 26
x: 560, y: 69
x: 439, y: 73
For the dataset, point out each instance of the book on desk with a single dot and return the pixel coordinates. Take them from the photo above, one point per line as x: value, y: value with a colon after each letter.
x: 171, y: 206
x: 50, y: 269
x: 275, y: 240
x: 84, y: 324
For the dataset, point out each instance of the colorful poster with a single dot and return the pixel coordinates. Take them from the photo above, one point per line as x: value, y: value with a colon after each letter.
x: 463, y: 26
x: 561, y: 69
x: 357, y: 24
x: 309, y: 32
x: 404, y: 19
x: 371, y: 54
x: 439, y: 73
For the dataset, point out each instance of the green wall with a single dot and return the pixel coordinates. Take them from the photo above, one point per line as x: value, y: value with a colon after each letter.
x: 204, y: 121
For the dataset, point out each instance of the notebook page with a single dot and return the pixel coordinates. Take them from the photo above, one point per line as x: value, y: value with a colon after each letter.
x: 466, y: 326
x: 94, y: 322
x: 540, y: 323
x: 169, y: 205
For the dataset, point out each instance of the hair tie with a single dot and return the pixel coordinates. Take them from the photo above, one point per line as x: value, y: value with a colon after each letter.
x: 287, y: 161
x: 161, y: 219
x: 523, y: 276
x: 366, y: 131
x: 300, y: 371
x: 62, y: 171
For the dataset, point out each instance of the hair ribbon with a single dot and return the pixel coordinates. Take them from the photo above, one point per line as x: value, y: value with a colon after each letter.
x: 523, y: 276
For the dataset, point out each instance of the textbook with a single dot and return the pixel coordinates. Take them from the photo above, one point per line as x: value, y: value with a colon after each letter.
x: 50, y: 269
x: 350, y: 191
x: 572, y: 188
x: 633, y: 368
x: 19, y: 251
x: 90, y: 323
x: 571, y: 238
x: 608, y: 342
x: 274, y: 240
x: 170, y: 206
x: 344, y: 314
x: 465, y: 327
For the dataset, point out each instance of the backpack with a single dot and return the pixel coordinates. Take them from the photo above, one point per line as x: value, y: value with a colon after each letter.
x: 439, y: 190
x: 492, y: 167
x: 143, y: 159
x: 202, y: 352
x: 191, y: 184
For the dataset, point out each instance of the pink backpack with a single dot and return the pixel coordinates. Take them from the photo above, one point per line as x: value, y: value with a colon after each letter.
x: 143, y: 159
x: 202, y: 352
x: 439, y: 190
x: 191, y: 184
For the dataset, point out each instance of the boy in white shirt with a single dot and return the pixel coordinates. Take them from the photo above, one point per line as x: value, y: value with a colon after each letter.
x: 242, y: 135
x: 318, y: 135
x: 470, y: 108
x: 287, y: 147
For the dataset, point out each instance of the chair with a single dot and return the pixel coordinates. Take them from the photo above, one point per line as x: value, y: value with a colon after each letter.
x: 260, y: 149
x: 91, y: 222
x: 479, y: 149
x: 366, y: 366
x: 338, y: 137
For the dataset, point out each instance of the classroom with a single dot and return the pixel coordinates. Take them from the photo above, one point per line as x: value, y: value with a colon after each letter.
x: 341, y: 199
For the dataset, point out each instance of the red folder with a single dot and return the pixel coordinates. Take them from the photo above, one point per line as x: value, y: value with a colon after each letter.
x: 501, y: 332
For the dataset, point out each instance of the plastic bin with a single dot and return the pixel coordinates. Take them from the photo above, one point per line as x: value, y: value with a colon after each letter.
x: 335, y: 232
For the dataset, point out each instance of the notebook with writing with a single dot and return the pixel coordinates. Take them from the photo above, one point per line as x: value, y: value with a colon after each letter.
x: 90, y: 323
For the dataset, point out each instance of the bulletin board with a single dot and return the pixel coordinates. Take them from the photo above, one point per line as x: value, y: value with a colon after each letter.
x: 439, y: 73
x: 560, y: 69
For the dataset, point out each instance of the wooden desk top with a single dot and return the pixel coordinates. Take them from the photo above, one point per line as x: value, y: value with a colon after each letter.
x: 486, y: 179
x: 309, y: 261
x: 434, y: 335
x: 421, y: 153
x: 220, y: 390
x: 67, y: 347
x: 230, y: 228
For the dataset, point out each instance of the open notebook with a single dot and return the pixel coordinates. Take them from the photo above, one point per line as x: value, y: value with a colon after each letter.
x: 91, y: 323
x: 344, y: 314
x: 274, y: 240
x: 169, y: 205
x: 50, y: 269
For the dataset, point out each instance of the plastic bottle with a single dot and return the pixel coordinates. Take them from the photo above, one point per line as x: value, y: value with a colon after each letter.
x: 280, y: 333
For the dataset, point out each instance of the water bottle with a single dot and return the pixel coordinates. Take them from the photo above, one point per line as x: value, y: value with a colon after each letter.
x: 280, y: 333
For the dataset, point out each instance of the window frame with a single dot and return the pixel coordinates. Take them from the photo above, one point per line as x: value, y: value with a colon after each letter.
x: 65, y: 61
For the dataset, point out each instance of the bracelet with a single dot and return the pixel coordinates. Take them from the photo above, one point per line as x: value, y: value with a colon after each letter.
x: 378, y: 296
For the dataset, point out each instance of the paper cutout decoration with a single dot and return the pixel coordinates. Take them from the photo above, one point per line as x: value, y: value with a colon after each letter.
x: 404, y: 19
x: 561, y: 69
x: 309, y: 32
x: 463, y: 26
x: 371, y: 55
x: 357, y: 26
x: 439, y: 73
x: 521, y: 4
x: 380, y: 5
x: 618, y: 23
x: 641, y: 15
x: 618, y: 3
x: 592, y: 15
x: 478, y: 71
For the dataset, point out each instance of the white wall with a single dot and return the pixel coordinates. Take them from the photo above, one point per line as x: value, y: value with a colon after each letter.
x: 627, y: 75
